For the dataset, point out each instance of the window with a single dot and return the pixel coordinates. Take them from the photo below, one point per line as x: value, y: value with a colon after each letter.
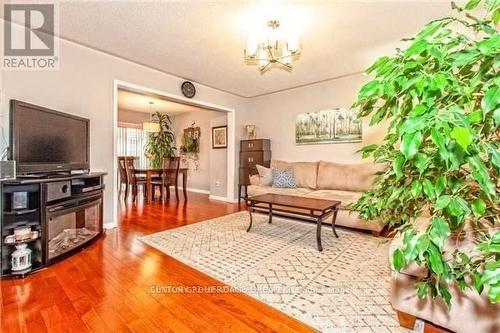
x: 132, y: 142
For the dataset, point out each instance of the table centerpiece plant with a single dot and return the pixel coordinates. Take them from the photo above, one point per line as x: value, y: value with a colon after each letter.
x: 162, y: 143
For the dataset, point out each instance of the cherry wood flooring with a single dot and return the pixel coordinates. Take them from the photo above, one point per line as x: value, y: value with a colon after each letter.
x: 106, y: 287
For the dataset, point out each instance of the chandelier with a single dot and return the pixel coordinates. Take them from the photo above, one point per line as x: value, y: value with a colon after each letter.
x: 272, y: 48
x: 151, y: 126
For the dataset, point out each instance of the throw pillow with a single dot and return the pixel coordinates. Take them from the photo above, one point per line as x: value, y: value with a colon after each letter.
x: 283, y: 178
x: 266, y: 175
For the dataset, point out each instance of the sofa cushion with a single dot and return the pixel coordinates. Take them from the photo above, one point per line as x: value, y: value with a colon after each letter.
x: 347, y: 177
x: 284, y: 178
x: 346, y: 197
x: 305, y: 173
x: 265, y: 174
x: 254, y: 190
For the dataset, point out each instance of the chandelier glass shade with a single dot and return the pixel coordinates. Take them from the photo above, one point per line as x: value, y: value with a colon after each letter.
x: 150, y: 126
x: 272, y: 48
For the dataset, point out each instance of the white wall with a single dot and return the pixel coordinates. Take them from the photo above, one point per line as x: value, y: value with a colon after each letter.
x: 84, y: 86
x: 274, y: 116
x: 218, y: 161
x: 200, y: 179
x: 132, y: 117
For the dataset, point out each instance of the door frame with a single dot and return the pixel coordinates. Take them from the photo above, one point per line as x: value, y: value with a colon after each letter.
x: 231, y: 144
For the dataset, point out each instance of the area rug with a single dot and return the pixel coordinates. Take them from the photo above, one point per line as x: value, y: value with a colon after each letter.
x: 345, y: 288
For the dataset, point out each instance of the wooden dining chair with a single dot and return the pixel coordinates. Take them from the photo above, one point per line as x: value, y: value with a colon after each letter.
x: 133, y: 179
x: 122, y: 168
x: 169, y: 176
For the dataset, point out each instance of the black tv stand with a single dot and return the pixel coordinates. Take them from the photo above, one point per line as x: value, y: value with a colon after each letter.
x: 72, y: 215
x: 47, y: 175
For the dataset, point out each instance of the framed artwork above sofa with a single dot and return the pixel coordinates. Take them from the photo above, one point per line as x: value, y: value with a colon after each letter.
x: 339, y: 125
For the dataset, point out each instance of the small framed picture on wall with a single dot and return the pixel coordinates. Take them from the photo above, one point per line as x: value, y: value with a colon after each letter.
x: 219, y: 137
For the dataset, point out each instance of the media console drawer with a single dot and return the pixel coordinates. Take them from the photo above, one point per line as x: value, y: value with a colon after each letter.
x: 58, y: 190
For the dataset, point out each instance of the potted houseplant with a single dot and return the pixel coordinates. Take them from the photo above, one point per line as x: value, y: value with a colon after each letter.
x: 161, y: 143
x: 441, y: 97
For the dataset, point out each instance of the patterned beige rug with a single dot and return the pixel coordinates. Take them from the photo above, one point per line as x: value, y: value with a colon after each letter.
x: 345, y: 288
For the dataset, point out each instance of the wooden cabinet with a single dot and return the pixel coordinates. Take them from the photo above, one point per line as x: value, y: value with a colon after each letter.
x: 252, y: 152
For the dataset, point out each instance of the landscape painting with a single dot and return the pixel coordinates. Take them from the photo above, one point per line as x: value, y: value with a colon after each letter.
x: 338, y: 125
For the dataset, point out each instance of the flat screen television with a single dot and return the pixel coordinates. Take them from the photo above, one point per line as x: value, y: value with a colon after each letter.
x: 46, y: 141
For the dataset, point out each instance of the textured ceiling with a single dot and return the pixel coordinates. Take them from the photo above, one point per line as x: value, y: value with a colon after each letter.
x: 204, y: 41
x: 137, y: 102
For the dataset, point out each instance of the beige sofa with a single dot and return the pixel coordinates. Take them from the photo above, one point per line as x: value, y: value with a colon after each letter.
x: 327, y: 180
x: 469, y: 311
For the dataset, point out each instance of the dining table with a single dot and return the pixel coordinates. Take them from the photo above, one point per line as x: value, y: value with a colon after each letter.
x: 152, y: 172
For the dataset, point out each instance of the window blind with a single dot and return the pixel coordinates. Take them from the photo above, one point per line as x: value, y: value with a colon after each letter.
x: 132, y: 142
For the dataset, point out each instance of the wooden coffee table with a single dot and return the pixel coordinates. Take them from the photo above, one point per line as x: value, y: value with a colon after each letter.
x: 317, y: 209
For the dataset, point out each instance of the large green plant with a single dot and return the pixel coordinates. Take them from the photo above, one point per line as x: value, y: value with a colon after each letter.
x: 441, y: 99
x: 160, y: 144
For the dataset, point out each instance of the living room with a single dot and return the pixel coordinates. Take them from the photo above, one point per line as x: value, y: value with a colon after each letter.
x: 352, y: 172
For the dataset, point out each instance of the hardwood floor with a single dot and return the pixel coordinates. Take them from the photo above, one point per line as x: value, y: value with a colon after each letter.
x: 107, y: 287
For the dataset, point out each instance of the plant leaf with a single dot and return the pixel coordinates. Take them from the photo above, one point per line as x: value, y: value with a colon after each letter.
x: 435, y: 260
x: 472, y: 4
x: 398, y: 260
x: 418, y: 110
x: 463, y: 137
x: 491, y: 99
x: 417, y: 47
x: 478, y: 207
x: 423, y: 290
x: 429, y: 189
x: 445, y: 294
x: 410, y: 144
x: 480, y: 174
x: 423, y: 243
x: 416, y: 188
x: 496, y: 117
x: 369, y: 89
x: 439, y: 141
x: 398, y: 166
x: 443, y: 201
x: 494, y: 293
x: 463, y: 58
x: 421, y: 162
x: 475, y: 117
x: 439, y: 231
x: 440, y: 185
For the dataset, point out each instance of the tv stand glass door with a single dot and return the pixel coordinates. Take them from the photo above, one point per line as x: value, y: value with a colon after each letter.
x: 71, y: 224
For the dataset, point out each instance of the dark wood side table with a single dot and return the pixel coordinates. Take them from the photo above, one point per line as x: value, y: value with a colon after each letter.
x: 319, y: 209
x: 252, y: 152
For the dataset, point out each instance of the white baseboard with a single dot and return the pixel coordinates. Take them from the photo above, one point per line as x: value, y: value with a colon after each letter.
x: 194, y: 190
x: 110, y: 225
x: 218, y: 198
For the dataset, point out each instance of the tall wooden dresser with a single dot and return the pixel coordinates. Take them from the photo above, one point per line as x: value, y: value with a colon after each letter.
x: 252, y: 152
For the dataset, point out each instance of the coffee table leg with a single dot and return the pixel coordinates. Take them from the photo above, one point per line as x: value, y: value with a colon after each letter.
x: 334, y: 219
x: 270, y: 213
x: 318, y: 234
x: 251, y: 219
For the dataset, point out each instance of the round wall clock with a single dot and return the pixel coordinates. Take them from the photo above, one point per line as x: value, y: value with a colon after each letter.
x: 188, y: 89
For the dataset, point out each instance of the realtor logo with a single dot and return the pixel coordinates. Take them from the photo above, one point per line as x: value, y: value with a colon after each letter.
x: 29, y: 42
